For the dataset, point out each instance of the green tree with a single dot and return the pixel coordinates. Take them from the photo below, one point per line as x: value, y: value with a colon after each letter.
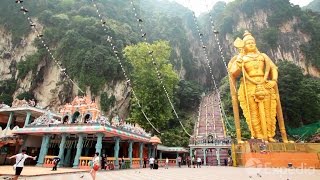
x: 146, y: 84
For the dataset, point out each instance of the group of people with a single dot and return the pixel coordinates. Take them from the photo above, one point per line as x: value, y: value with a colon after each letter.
x: 153, y: 163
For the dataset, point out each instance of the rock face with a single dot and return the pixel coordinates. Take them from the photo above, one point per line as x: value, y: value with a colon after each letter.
x: 52, y: 89
x: 287, y: 46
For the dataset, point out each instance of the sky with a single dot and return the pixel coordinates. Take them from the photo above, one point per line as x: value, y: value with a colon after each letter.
x: 201, y: 6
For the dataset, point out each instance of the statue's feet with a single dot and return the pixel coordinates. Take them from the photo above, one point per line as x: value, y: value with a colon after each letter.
x: 271, y: 140
x: 286, y: 141
x: 260, y: 136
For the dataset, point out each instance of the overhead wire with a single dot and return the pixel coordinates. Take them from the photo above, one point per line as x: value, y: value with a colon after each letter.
x: 150, y: 52
x: 40, y: 36
x: 109, y: 39
x: 204, y: 48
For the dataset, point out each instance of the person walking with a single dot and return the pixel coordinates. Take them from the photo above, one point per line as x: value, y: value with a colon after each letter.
x: 20, y: 158
x: 179, y: 161
x: 199, y: 162
x: 145, y: 162
x: 123, y: 163
x: 56, y: 161
x: 103, y: 162
x: 188, y: 161
x: 151, y: 162
x: 96, y: 166
x: 193, y: 162
x: 166, y: 163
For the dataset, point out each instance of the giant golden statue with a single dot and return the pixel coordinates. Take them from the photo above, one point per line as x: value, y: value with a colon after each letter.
x: 258, y: 91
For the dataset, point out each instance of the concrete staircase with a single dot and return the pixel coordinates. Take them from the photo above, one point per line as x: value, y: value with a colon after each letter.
x: 210, y: 123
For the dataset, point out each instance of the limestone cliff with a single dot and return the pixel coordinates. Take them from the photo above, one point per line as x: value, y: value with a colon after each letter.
x: 279, y: 39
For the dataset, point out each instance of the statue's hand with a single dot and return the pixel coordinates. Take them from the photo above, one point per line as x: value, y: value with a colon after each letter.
x: 239, y: 62
x: 270, y: 84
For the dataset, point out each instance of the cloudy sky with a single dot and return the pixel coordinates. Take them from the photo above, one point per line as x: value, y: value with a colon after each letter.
x: 200, y: 6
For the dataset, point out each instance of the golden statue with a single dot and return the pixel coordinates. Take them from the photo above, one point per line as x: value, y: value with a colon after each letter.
x: 258, y: 91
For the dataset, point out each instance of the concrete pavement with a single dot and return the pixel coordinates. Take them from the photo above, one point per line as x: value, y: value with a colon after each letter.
x: 204, y: 173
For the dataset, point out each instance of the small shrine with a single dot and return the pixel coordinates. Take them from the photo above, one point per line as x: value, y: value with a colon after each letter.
x: 80, y: 110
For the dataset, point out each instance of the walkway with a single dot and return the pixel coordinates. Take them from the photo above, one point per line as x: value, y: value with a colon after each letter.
x: 204, y: 173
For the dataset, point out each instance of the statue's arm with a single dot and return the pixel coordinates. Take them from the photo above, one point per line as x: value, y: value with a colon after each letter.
x: 234, y: 67
x: 273, y: 68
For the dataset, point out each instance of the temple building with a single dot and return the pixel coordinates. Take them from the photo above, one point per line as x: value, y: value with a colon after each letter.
x: 74, y: 134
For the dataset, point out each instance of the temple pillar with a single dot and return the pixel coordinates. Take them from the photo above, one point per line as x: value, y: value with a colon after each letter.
x: 116, y: 151
x: 204, y: 156
x: 149, y: 151
x: 9, y: 123
x: 68, y: 157
x: 154, y: 154
x: 99, y: 143
x: 141, y: 154
x: 79, y: 150
x: 191, y: 149
x: 61, y: 148
x: 160, y: 154
x: 130, y: 152
x: 177, y: 159
x: 43, y: 149
x: 27, y: 120
x: 218, y: 156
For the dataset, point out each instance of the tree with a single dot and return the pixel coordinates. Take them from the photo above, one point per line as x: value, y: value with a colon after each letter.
x: 146, y: 84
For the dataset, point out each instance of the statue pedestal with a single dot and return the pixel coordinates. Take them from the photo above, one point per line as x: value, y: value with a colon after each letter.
x: 278, y: 155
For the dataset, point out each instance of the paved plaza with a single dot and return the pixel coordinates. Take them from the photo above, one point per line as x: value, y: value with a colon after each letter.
x: 204, y: 173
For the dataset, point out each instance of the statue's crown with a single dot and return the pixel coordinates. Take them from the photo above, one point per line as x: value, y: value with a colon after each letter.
x: 247, y: 36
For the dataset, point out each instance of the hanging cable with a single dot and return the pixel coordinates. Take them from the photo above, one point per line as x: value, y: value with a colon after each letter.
x: 204, y: 48
x: 215, y: 33
x: 144, y: 36
x: 109, y: 39
x: 40, y: 36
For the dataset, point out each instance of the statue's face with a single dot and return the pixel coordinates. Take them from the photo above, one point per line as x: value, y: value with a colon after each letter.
x: 250, y: 46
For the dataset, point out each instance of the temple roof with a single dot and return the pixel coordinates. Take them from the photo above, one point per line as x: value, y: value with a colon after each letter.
x: 24, y: 109
x: 108, y: 131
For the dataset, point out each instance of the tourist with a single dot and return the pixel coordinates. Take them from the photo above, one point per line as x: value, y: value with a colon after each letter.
x: 95, y: 167
x: 167, y: 163
x: 155, y: 166
x: 103, y: 161
x: 188, y: 161
x: 20, y: 158
x: 145, y: 162
x: 193, y: 162
x: 122, y: 163
x: 198, y: 162
x: 226, y: 162
x: 56, y: 161
x: 179, y: 161
x: 151, y: 162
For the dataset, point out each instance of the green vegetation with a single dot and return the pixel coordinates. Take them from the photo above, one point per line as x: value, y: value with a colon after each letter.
x: 26, y: 96
x: 185, y: 95
x: 106, y: 102
x: 7, y: 89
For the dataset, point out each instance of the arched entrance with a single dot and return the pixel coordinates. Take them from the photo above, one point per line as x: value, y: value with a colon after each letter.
x: 75, y: 116
x: 65, y: 119
x: 87, y: 118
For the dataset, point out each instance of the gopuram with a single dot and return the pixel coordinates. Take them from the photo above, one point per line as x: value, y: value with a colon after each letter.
x: 259, y: 99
